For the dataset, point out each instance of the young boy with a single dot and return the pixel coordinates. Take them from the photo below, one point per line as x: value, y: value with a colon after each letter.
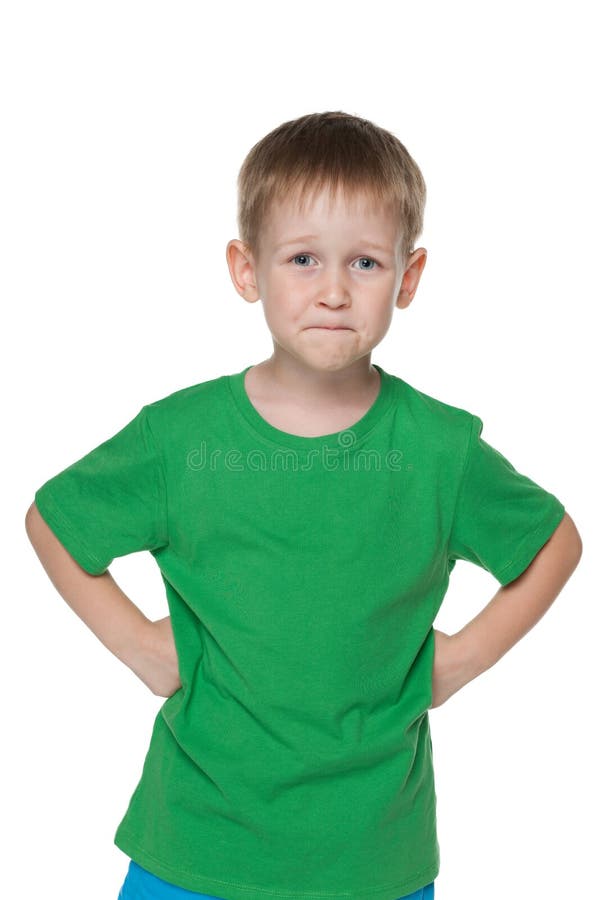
x: 305, y: 514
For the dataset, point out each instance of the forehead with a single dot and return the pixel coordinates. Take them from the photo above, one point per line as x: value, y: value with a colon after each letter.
x: 294, y: 215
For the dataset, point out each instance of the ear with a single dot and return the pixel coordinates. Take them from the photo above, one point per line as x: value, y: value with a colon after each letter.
x: 242, y: 270
x: 410, y: 280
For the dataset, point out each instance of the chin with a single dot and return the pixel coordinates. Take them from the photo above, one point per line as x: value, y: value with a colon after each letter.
x: 332, y: 365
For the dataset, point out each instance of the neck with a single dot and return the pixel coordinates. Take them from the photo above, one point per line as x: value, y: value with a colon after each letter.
x: 299, y: 384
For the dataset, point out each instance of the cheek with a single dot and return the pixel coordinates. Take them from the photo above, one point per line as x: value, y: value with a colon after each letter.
x: 281, y: 312
x: 385, y: 318
x: 377, y: 321
x: 284, y: 303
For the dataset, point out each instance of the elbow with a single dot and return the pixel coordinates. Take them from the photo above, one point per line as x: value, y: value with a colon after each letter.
x: 578, y: 551
x: 28, y: 516
x: 574, y: 543
x: 32, y: 521
x: 578, y: 547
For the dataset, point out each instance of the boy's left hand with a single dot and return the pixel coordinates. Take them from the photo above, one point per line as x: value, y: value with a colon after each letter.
x: 450, y: 669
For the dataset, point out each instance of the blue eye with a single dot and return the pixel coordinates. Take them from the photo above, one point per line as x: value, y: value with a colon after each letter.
x: 368, y: 258
x: 308, y: 256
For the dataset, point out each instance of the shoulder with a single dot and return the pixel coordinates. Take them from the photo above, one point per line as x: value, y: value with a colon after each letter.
x: 187, y: 406
x: 179, y: 401
x: 445, y: 427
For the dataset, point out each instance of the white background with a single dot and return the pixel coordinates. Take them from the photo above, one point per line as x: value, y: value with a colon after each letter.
x: 124, y: 125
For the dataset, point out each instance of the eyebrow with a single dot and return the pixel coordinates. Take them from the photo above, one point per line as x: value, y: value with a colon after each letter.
x: 310, y: 237
x: 298, y: 240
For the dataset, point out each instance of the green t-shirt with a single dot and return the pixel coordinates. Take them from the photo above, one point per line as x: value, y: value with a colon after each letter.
x: 303, y: 576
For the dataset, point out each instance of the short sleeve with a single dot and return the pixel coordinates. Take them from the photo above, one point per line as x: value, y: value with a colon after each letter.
x: 502, y: 518
x: 112, y: 501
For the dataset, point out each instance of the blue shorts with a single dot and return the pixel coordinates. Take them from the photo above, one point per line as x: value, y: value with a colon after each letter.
x: 140, y: 884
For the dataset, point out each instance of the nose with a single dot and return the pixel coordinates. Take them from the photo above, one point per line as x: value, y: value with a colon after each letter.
x: 333, y: 291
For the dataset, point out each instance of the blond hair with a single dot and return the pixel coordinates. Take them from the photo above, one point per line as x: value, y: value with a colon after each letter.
x: 330, y: 150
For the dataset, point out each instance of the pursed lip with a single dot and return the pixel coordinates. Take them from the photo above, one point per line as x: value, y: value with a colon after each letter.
x: 332, y: 327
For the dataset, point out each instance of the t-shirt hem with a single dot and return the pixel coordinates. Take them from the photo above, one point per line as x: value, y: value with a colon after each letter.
x: 533, y: 544
x: 236, y: 891
x: 54, y: 518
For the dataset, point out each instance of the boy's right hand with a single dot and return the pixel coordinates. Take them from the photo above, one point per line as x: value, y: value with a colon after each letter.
x: 157, y: 663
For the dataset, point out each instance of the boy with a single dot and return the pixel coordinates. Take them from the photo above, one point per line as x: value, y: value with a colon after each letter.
x: 305, y: 514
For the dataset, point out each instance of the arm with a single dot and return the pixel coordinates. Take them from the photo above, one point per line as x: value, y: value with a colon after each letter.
x: 511, y: 613
x: 146, y: 647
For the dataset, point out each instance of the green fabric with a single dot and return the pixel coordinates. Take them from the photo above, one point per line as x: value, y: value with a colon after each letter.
x: 303, y: 576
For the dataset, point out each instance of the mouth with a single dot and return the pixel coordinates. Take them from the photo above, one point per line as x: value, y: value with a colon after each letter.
x: 329, y: 328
